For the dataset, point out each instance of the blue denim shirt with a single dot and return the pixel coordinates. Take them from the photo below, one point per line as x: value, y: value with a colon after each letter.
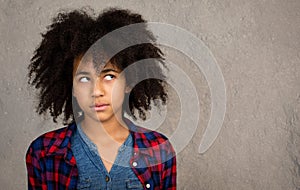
x: 92, y: 172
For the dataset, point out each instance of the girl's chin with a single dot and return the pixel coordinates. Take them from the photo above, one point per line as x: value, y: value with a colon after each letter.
x: 102, y: 116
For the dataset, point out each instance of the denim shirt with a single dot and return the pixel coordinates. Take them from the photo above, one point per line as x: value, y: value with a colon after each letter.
x: 51, y: 163
x: 92, y: 172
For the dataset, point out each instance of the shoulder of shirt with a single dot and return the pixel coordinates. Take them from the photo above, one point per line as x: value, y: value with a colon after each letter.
x: 58, y: 139
x: 146, y: 134
x: 150, y: 134
x: 149, y: 137
x: 150, y: 142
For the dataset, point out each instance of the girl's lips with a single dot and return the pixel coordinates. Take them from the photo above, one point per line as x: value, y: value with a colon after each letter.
x: 100, y: 107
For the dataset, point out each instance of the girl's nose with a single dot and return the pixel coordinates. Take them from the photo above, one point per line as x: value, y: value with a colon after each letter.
x: 98, y: 88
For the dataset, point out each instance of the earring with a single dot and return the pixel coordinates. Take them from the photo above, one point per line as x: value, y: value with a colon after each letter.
x: 79, y: 114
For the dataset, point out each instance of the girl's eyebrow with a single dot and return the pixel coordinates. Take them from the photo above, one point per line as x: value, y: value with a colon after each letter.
x: 109, y: 70
x: 82, y: 73
x: 102, y: 72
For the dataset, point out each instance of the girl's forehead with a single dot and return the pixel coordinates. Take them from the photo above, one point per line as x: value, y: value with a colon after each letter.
x: 88, y: 65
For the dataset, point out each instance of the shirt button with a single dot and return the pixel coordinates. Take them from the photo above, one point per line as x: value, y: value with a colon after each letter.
x: 107, y: 179
x: 147, y: 185
x: 134, y: 164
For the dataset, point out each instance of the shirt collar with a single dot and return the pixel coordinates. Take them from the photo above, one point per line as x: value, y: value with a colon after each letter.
x: 60, y: 143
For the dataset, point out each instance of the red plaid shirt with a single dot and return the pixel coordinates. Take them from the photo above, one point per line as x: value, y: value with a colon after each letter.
x: 52, y: 165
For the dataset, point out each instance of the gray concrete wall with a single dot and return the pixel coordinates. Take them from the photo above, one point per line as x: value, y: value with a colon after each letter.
x: 256, y: 44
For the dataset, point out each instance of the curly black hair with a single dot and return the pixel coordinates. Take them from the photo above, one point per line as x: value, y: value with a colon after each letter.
x: 71, y: 35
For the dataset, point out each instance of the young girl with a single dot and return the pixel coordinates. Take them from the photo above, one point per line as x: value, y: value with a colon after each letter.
x: 99, y: 148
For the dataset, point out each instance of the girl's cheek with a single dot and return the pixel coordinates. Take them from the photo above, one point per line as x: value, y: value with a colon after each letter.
x: 81, y: 87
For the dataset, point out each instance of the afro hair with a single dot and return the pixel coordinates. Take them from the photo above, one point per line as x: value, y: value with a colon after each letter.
x: 71, y: 35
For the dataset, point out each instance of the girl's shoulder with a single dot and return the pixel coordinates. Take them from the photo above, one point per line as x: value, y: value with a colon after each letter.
x: 152, y: 135
x: 154, y: 144
x: 52, y: 141
x: 146, y: 137
x: 143, y: 136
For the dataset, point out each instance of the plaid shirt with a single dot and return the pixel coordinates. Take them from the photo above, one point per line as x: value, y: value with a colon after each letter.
x: 52, y: 165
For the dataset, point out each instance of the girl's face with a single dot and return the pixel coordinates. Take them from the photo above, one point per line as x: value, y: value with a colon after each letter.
x: 99, y: 95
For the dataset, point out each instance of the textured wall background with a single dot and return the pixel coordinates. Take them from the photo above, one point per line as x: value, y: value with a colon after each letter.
x: 256, y: 43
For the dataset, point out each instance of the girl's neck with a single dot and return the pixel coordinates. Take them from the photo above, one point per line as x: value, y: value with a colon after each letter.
x: 113, y: 129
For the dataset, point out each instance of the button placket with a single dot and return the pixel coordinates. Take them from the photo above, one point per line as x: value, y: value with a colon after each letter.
x: 107, y: 178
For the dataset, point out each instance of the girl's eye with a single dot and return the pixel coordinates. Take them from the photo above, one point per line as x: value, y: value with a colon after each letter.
x: 84, y: 79
x: 109, y: 77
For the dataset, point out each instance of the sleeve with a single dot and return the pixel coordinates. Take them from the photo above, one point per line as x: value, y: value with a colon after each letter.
x: 169, y: 173
x: 36, y: 181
